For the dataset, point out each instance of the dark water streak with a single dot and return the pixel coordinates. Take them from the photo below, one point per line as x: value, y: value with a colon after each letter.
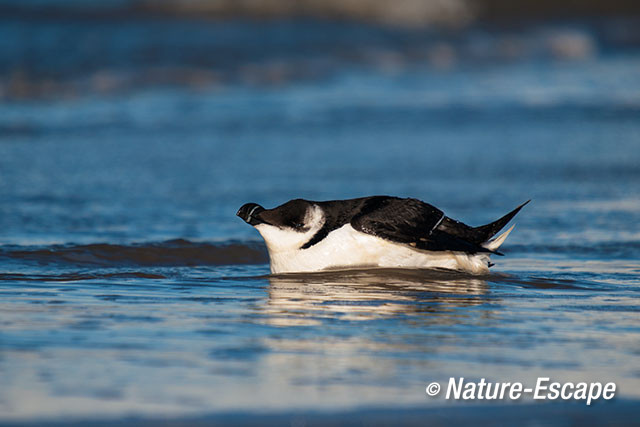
x: 177, y: 252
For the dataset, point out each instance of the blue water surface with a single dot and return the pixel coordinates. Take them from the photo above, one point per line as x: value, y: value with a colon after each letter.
x: 129, y: 286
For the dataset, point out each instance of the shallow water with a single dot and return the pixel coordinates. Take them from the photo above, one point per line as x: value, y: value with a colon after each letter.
x: 128, y: 286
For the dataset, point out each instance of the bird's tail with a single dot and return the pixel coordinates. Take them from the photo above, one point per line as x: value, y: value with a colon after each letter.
x: 494, y: 244
x: 484, y: 233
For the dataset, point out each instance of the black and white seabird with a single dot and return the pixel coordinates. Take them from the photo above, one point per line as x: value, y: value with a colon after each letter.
x: 377, y: 231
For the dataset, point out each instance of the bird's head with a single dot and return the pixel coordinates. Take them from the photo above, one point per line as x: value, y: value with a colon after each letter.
x: 286, y: 227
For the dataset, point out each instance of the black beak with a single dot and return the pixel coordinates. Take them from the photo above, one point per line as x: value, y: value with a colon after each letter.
x: 250, y: 213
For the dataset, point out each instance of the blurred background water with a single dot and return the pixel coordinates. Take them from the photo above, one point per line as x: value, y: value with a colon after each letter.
x: 131, y: 132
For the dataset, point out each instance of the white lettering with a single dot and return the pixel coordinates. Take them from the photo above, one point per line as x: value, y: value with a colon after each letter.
x: 581, y: 391
x: 540, y: 387
x: 544, y: 389
x: 564, y: 387
x: 481, y: 385
x: 504, y: 387
x: 516, y: 391
x: 452, y: 387
x: 469, y: 391
x: 594, y: 396
x: 554, y: 391
x: 609, y: 391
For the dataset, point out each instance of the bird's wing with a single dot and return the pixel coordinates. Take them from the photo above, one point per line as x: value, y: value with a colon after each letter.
x: 411, y: 222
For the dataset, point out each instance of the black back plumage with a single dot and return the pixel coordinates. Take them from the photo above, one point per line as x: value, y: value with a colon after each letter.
x: 477, y: 235
x: 407, y: 221
x: 411, y: 222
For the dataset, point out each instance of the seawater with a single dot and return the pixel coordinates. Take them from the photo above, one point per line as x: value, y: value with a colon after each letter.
x: 129, y: 286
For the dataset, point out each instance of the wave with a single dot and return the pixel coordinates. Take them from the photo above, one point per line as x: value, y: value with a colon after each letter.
x: 75, y: 277
x: 113, y: 262
x: 177, y: 252
x: 181, y: 252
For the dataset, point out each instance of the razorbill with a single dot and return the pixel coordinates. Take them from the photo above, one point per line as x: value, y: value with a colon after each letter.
x: 377, y: 231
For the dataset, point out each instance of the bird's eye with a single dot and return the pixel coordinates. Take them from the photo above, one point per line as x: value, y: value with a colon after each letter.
x: 298, y: 225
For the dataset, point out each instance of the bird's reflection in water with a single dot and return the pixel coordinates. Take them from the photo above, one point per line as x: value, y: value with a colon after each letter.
x: 307, y: 299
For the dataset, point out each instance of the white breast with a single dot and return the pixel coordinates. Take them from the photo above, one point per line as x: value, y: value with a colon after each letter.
x: 349, y: 248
